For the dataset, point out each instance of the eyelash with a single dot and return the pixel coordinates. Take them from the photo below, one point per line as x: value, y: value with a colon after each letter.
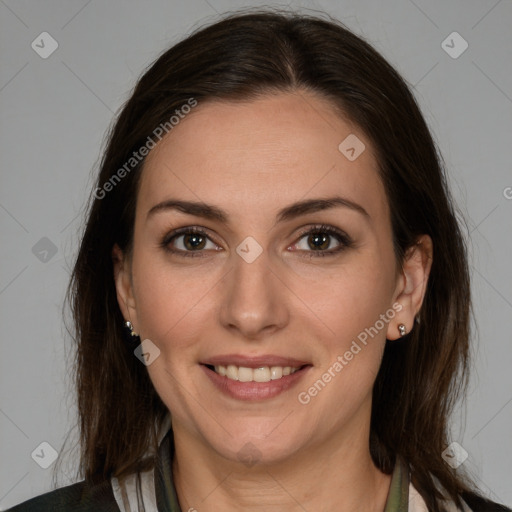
x: 345, y: 241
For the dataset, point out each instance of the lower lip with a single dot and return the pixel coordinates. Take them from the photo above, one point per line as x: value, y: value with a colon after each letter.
x: 254, y: 390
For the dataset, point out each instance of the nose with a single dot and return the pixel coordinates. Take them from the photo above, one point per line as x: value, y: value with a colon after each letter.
x: 255, y: 300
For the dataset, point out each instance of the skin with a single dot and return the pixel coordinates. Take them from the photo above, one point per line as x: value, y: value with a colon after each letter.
x: 251, y: 159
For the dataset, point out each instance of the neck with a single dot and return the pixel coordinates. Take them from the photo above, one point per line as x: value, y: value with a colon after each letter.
x: 338, y: 475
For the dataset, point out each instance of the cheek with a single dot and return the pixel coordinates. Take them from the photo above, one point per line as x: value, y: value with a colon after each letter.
x: 352, y: 298
x: 171, y: 310
x: 169, y: 303
x: 351, y: 307
x: 352, y: 351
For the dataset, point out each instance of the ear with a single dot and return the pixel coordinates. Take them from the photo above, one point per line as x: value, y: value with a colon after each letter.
x: 124, y: 285
x: 411, y: 285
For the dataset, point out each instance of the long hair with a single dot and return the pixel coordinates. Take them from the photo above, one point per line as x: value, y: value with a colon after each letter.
x: 240, y: 57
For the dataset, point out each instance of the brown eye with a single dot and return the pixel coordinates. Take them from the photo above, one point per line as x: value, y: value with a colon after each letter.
x: 194, y: 241
x: 187, y: 241
x: 319, y: 241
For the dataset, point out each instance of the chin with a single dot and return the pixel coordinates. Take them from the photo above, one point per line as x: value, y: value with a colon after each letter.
x: 251, y: 449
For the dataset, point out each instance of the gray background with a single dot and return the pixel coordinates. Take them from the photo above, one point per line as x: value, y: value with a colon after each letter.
x: 54, y: 115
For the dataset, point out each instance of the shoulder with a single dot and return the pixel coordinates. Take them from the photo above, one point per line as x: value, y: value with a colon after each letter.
x: 79, y: 497
x: 480, y: 504
x: 471, y: 502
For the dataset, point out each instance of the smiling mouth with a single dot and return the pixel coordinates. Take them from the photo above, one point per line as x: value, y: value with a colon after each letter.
x: 261, y: 374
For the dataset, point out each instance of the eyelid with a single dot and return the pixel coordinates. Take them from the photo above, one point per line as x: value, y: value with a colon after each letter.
x: 314, y: 228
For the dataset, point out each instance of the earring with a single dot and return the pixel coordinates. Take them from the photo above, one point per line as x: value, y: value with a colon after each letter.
x: 401, y: 329
x: 130, y: 327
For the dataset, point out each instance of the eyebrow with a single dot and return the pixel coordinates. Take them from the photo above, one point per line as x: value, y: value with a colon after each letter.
x: 290, y: 212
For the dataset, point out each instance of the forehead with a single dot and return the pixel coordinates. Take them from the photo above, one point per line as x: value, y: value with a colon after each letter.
x: 258, y: 155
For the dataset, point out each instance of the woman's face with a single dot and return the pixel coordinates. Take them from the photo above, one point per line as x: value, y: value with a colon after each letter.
x: 256, y: 294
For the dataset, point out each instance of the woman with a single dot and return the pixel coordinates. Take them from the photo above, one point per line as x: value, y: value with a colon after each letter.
x: 272, y: 295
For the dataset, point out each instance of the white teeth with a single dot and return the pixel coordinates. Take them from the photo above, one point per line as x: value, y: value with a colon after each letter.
x: 245, y: 374
x: 232, y: 372
x: 262, y: 374
x: 276, y: 372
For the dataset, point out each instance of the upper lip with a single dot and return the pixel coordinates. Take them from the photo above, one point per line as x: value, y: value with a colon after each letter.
x: 254, y: 361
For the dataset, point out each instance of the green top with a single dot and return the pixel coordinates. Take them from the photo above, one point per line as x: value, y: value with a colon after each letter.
x: 398, y: 497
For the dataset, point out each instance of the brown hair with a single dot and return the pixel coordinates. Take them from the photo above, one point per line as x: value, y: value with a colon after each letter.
x: 241, y: 57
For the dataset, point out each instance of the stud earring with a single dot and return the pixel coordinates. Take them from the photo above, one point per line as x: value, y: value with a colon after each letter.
x: 401, y: 330
x: 130, y: 327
